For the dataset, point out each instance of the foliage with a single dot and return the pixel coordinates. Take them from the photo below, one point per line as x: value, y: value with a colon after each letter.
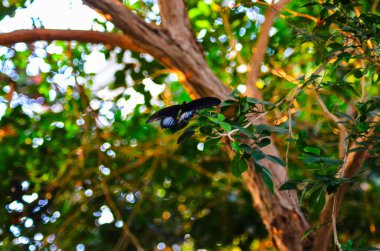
x: 246, y: 139
x: 77, y: 154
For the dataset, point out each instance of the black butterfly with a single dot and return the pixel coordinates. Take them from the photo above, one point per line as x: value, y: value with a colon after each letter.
x: 174, y: 116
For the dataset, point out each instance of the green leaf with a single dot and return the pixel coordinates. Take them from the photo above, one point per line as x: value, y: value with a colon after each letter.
x: 313, y: 150
x: 289, y: 185
x: 234, y: 94
x: 264, y: 142
x: 235, y: 166
x: 215, y: 120
x: 243, y: 130
x: 225, y: 126
x: 290, y: 140
x: 317, y: 200
x: 221, y: 117
x: 267, y: 178
x: 357, y: 73
x: 327, y: 161
x: 345, y: 56
x: 257, y: 154
x: 310, y: 160
x: 245, y: 107
x: 228, y: 102
x: 276, y: 160
x: 238, y: 165
x: 235, y: 146
x: 247, y: 149
x: 262, y: 127
x: 243, y: 165
x: 357, y: 149
x: 253, y: 101
x: 363, y: 127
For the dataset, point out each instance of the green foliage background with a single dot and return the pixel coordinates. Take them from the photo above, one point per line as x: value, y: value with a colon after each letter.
x: 80, y: 155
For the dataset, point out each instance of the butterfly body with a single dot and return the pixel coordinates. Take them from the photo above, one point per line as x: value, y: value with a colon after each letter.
x: 176, y: 116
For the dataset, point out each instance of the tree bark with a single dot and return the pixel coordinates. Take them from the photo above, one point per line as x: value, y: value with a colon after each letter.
x: 107, y: 38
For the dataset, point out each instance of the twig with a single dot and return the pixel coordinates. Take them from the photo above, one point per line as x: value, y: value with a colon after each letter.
x: 336, y: 240
x: 325, y: 110
x: 229, y: 134
x: 290, y: 122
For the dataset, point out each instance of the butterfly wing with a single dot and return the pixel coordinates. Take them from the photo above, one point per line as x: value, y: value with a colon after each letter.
x: 168, y: 116
x: 188, y: 110
x: 168, y: 122
x: 186, y: 115
x: 201, y: 103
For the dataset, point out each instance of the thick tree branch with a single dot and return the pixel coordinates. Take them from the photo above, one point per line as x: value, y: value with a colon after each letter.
x: 127, y: 21
x: 260, y: 49
x: 148, y: 36
x: 186, y: 59
x: 175, y: 21
x: 107, y: 38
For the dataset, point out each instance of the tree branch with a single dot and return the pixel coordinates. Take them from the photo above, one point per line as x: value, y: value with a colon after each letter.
x: 175, y: 21
x: 260, y: 49
x: 107, y: 38
x: 354, y: 162
x: 148, y: 36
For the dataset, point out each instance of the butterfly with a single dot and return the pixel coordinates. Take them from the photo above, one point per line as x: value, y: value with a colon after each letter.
x: 176, y: 115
